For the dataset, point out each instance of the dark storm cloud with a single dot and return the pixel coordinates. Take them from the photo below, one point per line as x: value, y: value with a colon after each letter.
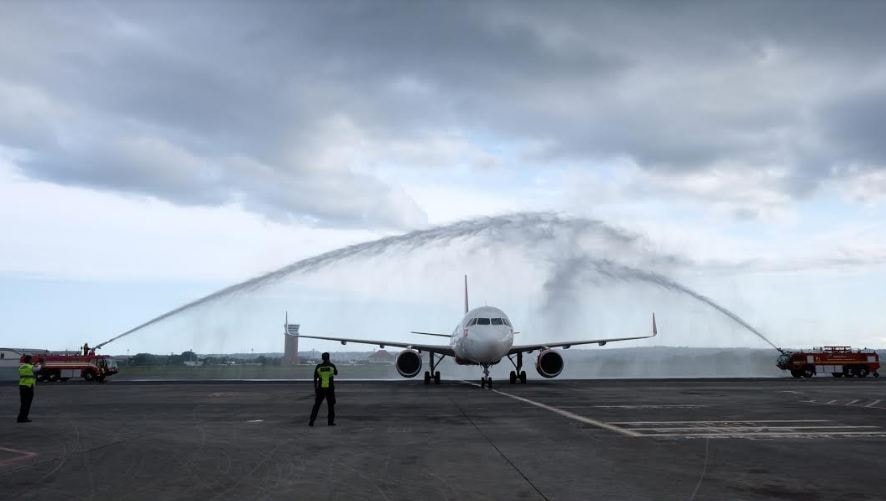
x: 291, y: 108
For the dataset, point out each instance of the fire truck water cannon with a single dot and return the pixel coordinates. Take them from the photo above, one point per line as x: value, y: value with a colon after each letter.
x: 838, y: 361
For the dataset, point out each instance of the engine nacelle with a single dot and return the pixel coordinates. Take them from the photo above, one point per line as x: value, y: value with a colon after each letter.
x: 408, y: 363
x: 549, y: 364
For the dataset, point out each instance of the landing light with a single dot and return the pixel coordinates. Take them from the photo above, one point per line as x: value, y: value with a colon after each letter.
x: 602, y: 343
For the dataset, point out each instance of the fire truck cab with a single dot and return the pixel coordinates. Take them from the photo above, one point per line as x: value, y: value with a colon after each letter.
x: 838, y: 361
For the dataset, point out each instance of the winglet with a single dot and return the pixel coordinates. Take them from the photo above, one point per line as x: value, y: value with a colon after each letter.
x: 654, y: 328
x: 466, y: 294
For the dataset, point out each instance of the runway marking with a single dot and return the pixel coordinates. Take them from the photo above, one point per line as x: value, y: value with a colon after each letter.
x: 727, y: 421
x: 851, y: 403
x: 775, y: 434
x: 567, y: 414
x: 22, y: 455
x: 633, y: 406
x: 739, y: 428
x: 255, y: 421
x: 784, y: 428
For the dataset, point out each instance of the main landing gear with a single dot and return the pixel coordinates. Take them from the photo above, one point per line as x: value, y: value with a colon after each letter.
x: 485, y: 380
x: 519, y: 374
x: 433, y: 374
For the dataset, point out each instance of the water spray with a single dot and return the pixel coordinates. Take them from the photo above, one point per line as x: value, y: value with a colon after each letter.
x: 518, y: 229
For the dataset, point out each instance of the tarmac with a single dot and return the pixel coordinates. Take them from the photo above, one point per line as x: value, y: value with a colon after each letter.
x: 549, y: 439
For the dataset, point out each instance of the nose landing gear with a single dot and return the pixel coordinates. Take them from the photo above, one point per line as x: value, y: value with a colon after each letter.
x: 485, y: 380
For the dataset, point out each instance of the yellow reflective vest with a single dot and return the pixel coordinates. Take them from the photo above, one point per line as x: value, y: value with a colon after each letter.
x: 26, y: 375
x: 325, y: 373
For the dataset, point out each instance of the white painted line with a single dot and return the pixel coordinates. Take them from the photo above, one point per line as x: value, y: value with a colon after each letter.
x: 255, y: 421
x: 875, y: 402
x: 649, y: 406
x: 852, y: 402
x: 751, y: 428
x: 727, y: 421
x: 829, y: 402
x: 570, y: 415
x: 771, y: 434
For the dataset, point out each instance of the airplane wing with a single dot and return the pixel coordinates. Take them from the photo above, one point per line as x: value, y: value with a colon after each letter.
x: 566, y: 344
x: 432, y: 348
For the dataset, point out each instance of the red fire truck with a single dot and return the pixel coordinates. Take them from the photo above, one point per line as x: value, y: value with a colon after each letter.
x: 837, y: 361
x: 61, y: 367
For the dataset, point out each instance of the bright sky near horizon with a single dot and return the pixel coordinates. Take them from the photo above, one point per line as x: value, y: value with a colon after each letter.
x: 154, y: 152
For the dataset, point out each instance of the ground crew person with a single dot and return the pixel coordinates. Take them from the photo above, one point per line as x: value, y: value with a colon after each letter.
x: 324, y: 387
x: 26, y: 382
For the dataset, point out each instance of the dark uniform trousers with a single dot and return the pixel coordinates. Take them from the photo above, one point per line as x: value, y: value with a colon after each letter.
x: 329, y: 395
x: 26, y: 393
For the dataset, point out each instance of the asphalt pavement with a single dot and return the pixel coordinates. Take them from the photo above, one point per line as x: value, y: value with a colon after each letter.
x: 606, y: 439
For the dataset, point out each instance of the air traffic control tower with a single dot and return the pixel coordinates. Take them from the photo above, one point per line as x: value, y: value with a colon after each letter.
x: 290, y: 343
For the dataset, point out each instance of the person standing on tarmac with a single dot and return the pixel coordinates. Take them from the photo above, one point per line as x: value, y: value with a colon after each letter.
x: 324, y: 387
x: 26, y: 382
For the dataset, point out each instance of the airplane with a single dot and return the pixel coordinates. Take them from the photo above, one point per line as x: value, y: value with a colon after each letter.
x: 483, y: 337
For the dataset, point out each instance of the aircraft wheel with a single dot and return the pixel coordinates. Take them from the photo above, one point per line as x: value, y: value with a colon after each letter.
x: 482, y: 382
x: 523, y: 377
x: 437, y: 377
x: 427, y: 377
x: 513, y: 377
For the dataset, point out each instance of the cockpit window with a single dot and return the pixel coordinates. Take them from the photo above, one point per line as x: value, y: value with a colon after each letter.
x: 505, y: 320
x: 482, y: 321
x: 472, y: 322
x: 497, y: 321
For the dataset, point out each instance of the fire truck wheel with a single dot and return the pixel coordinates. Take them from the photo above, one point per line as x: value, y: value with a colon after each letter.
x: 101, y: 379
x: 88, y: 376
x: 796, y: 373
x: 808, y: 372
x: 863, y: 372
x: 837, y: 374
x: 876, y: 374
x: 41, y: 376
x: 54, y: 376
x: 64, y: 379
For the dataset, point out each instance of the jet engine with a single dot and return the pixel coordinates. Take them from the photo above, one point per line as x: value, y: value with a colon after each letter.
x: 408, y: 363
x: 549, y: 364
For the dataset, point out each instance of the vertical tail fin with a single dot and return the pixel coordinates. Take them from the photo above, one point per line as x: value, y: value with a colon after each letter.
x: 286, y: 323
x: 466, y: 294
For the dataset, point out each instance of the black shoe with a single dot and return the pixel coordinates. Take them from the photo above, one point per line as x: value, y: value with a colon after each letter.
x: 22, y: 420
x: 331, y: 424
x: 311, y: 423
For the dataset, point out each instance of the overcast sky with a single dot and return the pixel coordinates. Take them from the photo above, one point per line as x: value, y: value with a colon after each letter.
x: 153, y: 152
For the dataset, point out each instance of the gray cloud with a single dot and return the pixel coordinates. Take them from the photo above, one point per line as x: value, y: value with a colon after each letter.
x: 294, y: 109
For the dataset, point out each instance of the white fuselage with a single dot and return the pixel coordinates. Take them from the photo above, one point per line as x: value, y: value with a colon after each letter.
x: 483, y: 336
